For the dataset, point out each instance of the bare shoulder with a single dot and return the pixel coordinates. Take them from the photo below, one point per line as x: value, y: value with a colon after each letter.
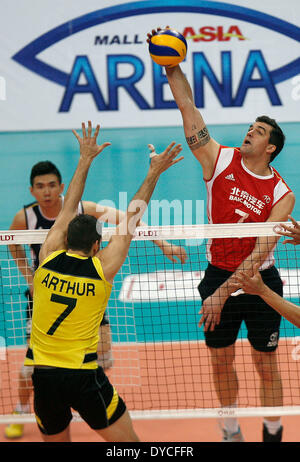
x: 55, y: 240
x: 289, y: 202
x: 19, y: 220
x: 105, y: 257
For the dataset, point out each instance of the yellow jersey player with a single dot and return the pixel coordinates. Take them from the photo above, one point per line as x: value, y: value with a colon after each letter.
x: 71, y: 288
x: 47, y: 188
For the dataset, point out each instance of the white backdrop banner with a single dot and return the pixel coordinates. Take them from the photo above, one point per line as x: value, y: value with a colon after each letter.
x: 64, y: 62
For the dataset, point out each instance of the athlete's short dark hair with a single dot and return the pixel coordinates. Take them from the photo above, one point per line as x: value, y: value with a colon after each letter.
x: 83, y: 233
x: 276, y: 135
x: 44, y: 168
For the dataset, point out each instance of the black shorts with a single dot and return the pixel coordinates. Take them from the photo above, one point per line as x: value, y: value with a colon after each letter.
x: 261, y: 320
x: 89, y: 392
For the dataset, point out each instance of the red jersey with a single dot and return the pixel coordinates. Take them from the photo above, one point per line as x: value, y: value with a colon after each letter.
x: 235, y: 194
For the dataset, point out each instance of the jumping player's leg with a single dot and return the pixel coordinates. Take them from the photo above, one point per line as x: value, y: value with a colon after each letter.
x: 222, y: 360
x: 221, y: 345
x: 226, y: 385
x: 263, y: 324
x: 271, y: 393
x: 120, y: 431
x: 104, y: 410
x: 221, y: 341
x: 62, y: 437
x: 90, y: 393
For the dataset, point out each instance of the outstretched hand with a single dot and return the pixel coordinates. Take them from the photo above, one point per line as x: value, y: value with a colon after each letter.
x: 89, y: 148
x: 250, y: 283
x: 154, y: 32
x: 174, y: 252
x: 293, y: 232
x: 161, y: 162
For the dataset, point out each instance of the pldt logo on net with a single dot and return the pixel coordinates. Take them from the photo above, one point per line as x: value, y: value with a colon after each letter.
x: 255, y: 71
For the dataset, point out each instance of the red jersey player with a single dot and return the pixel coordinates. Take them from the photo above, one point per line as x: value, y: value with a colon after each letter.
x: 236, y: 194
x: 242, y: 187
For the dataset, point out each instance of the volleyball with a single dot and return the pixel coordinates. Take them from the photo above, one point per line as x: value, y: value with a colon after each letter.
x: 167, y: 47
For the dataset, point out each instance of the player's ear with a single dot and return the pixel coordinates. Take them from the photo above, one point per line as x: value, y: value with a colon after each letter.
x: 271, y: 148
x: 62, y: 187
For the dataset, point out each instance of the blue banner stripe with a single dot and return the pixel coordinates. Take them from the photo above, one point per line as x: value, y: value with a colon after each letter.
x: 27, y: 55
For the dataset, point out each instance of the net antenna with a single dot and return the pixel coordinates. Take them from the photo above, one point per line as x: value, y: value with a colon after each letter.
x: 162, y: 367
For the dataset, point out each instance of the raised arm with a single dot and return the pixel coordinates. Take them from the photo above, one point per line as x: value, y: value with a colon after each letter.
x: 114, y: 255
x: 89, y: 149
x: 204, y: 148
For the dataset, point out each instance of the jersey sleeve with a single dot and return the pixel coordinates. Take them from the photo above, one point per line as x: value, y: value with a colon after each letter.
x: 281, y: 189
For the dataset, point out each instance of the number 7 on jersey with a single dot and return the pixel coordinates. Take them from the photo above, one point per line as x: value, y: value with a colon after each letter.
x: 70, y: 302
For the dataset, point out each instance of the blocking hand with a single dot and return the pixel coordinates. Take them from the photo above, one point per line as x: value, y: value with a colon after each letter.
x: 88, y: 144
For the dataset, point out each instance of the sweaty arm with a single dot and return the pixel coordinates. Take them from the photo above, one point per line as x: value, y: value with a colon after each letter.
x: 255, y: 286
x: 114, y: 255
x: 56, y: 238
x: 204, y: 148
x: 285, y: 308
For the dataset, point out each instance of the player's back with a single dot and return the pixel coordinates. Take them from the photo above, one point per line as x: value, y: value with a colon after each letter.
x: 70, y: 297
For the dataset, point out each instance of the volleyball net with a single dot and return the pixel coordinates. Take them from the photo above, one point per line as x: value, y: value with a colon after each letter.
x: 162, y: 366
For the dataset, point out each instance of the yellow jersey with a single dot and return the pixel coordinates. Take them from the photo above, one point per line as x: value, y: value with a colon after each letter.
x: 70, y: 298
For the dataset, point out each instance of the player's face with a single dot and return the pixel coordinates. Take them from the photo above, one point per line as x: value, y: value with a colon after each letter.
x: 46, y: 189
x: 256, y: 141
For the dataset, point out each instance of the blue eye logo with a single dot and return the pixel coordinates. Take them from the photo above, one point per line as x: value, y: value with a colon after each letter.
x: 28, y: 56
